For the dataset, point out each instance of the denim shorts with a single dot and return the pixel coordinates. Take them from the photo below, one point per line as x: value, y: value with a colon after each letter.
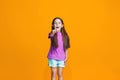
x: 56, y: 63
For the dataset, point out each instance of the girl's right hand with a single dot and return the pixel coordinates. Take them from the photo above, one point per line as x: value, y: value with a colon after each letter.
x: 54, y: 31
x: 51, y: 34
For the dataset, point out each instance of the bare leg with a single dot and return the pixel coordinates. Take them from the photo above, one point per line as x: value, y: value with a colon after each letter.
x: 60, y: 69
x: 53, y: 73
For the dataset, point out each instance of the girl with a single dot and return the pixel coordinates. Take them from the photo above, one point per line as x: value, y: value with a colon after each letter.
x: 57, y: 55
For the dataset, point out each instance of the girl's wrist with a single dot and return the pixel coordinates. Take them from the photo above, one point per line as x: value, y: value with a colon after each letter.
x: 51, y: 34
x: 66, y: 59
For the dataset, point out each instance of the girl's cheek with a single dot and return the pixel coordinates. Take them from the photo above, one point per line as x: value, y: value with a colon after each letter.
x: 54, y: 25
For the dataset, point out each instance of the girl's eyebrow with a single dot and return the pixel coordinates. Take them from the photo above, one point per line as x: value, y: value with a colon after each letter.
x: 56, y: 22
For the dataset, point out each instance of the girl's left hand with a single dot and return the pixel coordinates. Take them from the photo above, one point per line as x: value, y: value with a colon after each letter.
x: 65, y: 61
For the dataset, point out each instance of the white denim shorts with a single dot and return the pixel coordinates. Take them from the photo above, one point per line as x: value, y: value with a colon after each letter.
x: 56, y: 63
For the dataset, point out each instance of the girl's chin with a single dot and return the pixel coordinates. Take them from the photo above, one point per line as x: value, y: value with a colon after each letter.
x: 58, y: 30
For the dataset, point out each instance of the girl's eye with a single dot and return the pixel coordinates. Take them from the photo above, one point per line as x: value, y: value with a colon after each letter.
x: 57, y: 23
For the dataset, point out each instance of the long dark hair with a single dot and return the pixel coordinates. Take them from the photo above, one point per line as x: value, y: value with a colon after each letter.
x: 65, y: 37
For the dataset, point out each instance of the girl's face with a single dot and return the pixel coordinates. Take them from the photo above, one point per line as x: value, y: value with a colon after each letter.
x: 58, y: 24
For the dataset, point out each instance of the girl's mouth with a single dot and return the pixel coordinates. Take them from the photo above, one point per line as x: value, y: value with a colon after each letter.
x: 57, y: 27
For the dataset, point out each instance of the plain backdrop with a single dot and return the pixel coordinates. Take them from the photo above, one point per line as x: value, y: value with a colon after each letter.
x: 92, y: 25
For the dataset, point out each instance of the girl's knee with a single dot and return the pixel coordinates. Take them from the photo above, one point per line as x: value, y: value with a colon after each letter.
x: 54, y: 73
x: 60, y: 74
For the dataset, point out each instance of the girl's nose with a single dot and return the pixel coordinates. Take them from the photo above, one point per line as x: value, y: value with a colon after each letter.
x: 56, y: 24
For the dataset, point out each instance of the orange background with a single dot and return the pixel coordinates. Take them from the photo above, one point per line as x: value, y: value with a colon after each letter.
x: 93, y: 27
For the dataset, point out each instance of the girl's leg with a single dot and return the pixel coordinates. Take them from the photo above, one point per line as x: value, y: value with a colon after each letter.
x: 60, y: 69
x: 53, y: 73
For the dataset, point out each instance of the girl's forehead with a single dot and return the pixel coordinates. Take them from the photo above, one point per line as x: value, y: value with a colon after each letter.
x: 57, y: 20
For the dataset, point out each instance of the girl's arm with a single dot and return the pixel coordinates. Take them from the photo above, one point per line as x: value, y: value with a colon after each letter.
x: 66, y: 54
x: 51, y: 34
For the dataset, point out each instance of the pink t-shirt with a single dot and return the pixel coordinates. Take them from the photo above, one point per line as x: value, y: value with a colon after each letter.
x: 57, y: 53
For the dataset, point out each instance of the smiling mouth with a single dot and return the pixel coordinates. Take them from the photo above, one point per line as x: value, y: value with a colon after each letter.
x: 57, y: 27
